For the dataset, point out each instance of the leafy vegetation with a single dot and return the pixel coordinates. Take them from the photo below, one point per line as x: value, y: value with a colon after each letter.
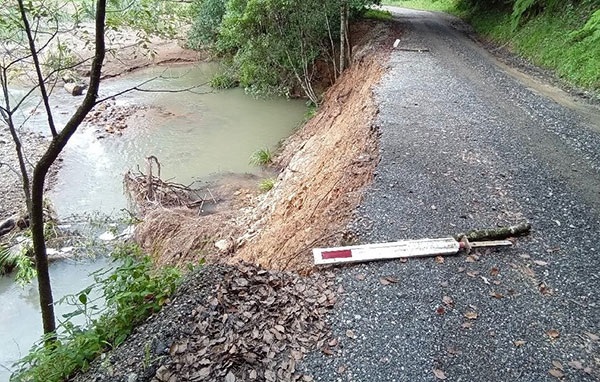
x: 266, y: 184
x: 272, y: 45
x: 432, y: 5
x: 262, y: 157
x: 132, y: 292
x: 377, y: 14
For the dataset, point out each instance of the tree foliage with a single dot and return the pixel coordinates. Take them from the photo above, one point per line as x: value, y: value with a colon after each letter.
x: 273, y: 44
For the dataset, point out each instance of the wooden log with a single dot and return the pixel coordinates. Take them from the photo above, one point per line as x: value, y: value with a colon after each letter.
x: 496, y: 233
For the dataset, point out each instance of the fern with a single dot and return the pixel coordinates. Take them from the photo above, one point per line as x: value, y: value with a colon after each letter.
x: 523, y: 8
x: 591, y: 29
x: 519, y: 9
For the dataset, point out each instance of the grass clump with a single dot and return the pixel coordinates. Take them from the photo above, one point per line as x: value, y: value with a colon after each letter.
x: 266, y: 184
x: 377, y: 14
x: 262, y: 157
x: 132, y: 292
x: 430, y: 5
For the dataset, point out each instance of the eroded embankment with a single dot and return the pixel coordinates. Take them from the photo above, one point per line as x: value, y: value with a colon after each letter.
x: 326, y: 165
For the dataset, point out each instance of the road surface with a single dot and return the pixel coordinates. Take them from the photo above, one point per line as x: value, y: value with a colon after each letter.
x: 467, y: 142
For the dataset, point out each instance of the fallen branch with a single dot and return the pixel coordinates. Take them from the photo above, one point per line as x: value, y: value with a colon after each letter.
x: 495, y: 233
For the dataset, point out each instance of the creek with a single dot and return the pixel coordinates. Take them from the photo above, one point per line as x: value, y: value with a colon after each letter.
x: 196, y: 136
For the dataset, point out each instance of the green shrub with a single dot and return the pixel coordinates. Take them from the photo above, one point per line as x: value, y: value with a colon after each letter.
x: 207, y: 16
x: 376, y: 14
x: 132, y: 292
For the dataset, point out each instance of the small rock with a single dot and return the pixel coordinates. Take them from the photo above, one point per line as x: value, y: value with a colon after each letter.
x: 223, y: 245
x: 74, y: 89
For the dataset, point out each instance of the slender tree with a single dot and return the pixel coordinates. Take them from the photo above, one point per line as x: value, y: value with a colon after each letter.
x: 33, y: 185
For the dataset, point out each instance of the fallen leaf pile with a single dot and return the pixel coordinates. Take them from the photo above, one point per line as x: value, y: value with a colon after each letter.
x: 255, y: 326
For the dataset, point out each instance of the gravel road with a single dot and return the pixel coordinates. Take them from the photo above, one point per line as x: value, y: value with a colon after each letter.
x: 465, y: 144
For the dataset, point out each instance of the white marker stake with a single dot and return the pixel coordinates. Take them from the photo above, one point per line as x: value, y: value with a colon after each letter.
x: 396, y: 43
x: 383, y: 251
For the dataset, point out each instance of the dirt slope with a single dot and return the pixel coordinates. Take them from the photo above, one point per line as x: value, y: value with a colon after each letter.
x: 326, y: 166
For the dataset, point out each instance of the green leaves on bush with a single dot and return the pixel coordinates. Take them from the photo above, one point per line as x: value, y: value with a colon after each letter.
x: 132, y: 292
x: 272, y: 44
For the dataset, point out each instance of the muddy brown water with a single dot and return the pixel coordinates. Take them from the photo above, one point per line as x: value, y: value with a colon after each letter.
x: 196, y: 135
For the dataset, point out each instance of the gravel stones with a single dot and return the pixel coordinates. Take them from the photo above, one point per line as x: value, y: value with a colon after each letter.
x: 464, y: 145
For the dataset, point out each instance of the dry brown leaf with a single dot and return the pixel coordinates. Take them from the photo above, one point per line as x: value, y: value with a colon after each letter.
x: 471, y: 315
x: 333, y: 343
x: 553, y: 333
x: 592, y: 336
x: 519, y: 343
x: 472, y: 273
x: 467, y: 325
x: 241, y: 282
x: 440, y: 310
x: 360, y: 277
x: 494, y: 272
x: 524, y: 256
x: 350, y: 334
x: 448, y: 301
x: 270, y: 376
x: 453, y: 350
x: 557, y: 365
x: 341, y: 369
x: 575, y: 365
x: 470, y: 259
x: 460, y: 269
x: 202, y: 373
x: 387, y: 280
x: 439, y: 259
x: 540, y: 262
x: 556, y: 373
x: 496, y: 295
x: 327, y: 350
x: 439, y: 374
x: 252, y: 374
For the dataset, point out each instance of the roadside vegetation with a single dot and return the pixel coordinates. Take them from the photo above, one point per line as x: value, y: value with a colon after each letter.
x: 563, y: 36
x: 131, y: 292
x: 292, y: 48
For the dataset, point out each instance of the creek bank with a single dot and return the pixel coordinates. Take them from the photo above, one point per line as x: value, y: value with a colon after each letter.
x: 216, y: 325
x: 323, y: 169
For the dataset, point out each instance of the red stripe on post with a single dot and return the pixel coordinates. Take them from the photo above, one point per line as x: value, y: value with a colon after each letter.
x: 341, y: 254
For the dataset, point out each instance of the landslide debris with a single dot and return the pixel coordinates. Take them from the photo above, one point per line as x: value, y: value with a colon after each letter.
x: 227, y: 323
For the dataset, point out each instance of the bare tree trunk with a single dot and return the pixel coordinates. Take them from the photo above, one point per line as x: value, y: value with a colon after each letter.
x: 344, y: 40
x: 36, y: 204
x: 335, y: 69
x: 343, y: 36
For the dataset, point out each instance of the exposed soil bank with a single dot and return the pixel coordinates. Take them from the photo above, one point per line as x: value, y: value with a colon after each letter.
x: 325, y: 166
